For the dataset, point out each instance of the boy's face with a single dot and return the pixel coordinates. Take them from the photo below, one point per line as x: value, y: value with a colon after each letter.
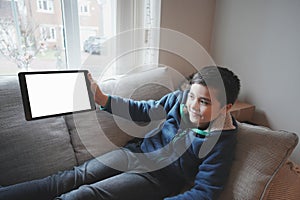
x: 203, y: 105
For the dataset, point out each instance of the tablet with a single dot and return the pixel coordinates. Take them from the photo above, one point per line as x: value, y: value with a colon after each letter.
x: 55, y: 93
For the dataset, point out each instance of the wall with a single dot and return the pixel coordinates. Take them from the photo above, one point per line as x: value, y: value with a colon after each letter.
x: 260, y: 41
x: 193, y: 18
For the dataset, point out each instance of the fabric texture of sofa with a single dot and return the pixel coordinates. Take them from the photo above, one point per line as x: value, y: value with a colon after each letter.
x: 36, y: 149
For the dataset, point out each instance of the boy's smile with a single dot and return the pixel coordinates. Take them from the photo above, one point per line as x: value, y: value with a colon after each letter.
x: 203, y: 105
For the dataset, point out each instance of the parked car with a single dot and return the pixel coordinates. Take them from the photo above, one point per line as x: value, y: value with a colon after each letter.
x: 93, y: 45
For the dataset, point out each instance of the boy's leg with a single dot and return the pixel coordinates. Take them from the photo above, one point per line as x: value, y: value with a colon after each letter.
x: 133, y: 186
x: 55, y: 185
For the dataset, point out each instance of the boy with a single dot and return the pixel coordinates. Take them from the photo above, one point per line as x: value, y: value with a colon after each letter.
x: 194, y: 145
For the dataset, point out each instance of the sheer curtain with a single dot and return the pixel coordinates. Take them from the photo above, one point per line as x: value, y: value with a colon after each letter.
x: 134, y: 43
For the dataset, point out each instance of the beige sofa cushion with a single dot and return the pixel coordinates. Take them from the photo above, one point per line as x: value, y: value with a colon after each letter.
x: 140, y: 84
x: 260, y: 154
x: 93, y: 134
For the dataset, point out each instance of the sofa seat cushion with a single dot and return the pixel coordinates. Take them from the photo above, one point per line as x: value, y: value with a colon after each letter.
x: 260, y: 154
x: 29, y: 149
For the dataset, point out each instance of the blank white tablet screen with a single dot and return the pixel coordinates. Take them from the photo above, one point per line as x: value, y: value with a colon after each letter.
x: 51, y: 94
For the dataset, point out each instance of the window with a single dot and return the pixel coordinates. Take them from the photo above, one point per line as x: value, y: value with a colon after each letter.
x: 48, y: 33
x: 45, y: 5
x: 84, y: 9
x: 76, y: 37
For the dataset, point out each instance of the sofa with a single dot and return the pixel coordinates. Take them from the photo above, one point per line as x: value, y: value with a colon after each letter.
x: 35, y: 149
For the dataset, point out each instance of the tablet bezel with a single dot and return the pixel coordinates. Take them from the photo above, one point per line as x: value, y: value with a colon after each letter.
x: 25, y: 96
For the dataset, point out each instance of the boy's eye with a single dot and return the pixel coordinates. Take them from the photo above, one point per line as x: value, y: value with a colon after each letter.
x: 191, y: 96
x: 204, y: 102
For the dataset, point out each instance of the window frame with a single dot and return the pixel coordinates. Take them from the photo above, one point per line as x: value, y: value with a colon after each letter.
x: 71, y: 33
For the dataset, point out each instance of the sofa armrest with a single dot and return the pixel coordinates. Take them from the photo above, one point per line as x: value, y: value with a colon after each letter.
x: 285, y: 184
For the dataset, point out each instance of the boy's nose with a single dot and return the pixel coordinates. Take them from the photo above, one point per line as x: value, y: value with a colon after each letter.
x: 195, y: 105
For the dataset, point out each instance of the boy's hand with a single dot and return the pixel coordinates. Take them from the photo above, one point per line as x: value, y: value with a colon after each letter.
x: 99, y: 97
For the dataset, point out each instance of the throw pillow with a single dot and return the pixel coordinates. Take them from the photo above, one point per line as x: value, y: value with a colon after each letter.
x: 260, y: 153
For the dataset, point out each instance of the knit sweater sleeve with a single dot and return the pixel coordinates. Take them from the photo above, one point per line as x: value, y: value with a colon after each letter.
x: 212, y: 172
x: 141, y: 111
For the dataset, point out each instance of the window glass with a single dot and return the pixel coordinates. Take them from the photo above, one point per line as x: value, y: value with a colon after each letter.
x: 97, y: 19
x: 31, y: 35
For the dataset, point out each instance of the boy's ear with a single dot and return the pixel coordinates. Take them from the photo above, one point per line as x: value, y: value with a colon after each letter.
x: 226, y: 108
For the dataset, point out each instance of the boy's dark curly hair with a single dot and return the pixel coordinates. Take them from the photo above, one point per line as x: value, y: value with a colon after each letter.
x: 221, y: 79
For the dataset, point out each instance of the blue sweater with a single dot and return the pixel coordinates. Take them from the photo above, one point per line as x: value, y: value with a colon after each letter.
x: 203, y: 160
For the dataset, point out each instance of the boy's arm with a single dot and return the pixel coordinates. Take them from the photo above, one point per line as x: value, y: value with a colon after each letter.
x: 139, y: 111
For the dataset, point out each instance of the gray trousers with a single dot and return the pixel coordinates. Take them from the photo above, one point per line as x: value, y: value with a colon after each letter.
x: 120, y: 177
